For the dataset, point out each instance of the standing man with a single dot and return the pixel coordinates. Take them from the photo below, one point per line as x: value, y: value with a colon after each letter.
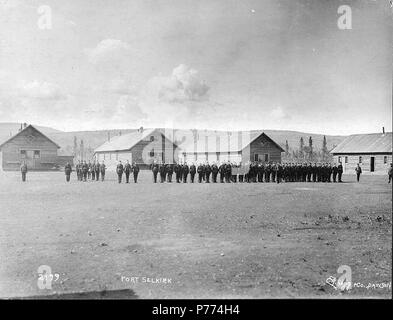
x: 89, y: 172
x: 154, y: 169
x: 85, y: 169
x: 176, y: 169
x: 208, y: 171
x: 161, y: 170
x: 23, y: 170
x: 93, y: 171
x: 390, y: 172
x: 214, y: 172
x: 186, y: 170
x: 67, y: 171
x: 119, y: 171
x: 169, y: 172
x: 102, y: 170
x: 340, y: 171
x: 77, y: 169
x: 358, y: 171
x: 97, y: 170
x: 221, y: 170
x: 200, y: 172
x: 334, y: 171
x: 192, y: 172
x: 135, y: 171
x: 127, y: 171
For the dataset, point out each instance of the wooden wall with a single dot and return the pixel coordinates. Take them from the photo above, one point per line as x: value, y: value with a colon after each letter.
x: 262, y: 146
x: 353, y: 159
x: 29, y: 140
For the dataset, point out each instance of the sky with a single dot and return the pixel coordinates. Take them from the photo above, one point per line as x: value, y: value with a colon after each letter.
x: 206, y: 64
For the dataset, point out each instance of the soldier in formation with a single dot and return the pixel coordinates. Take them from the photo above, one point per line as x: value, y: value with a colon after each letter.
x: 23, y: 170
x: 67, y: 171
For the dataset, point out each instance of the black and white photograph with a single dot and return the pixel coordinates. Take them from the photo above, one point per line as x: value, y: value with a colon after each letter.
x: 195, y: 149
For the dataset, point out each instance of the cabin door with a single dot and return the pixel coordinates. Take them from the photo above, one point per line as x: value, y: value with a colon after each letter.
x: 30, y: 159
x: 372, y: 164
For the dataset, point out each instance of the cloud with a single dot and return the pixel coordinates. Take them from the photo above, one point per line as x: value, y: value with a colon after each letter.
x: 183, y: 85
x: 42, y: 91
x: 120, y: 86
x: 279, y: 113
x: 107, y: 49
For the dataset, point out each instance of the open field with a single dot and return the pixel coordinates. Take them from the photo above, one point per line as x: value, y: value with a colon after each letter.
x: 212, y: 240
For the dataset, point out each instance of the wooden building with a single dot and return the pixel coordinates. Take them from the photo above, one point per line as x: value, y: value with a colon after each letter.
x: 235, y: 146
x: 31, y: 146
x: 372, y: 151
x: 144, y: 146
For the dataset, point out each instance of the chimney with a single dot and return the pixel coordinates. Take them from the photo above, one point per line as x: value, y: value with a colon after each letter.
x: 383, y: 130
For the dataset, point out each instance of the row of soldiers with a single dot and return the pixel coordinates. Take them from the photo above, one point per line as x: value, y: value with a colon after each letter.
x: 86, y: 171
x: 251, y: 172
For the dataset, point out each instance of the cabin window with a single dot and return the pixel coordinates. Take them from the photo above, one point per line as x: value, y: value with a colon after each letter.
x: 151, y: 138
x: 23, y: 154
x: 339, y: 159
x: 152, y: 153
x: 266, y: 157
x: 256, y: 157
x: 385, y: 159
x: 346, y: 159
x: 360, y: 159
x: 37, y: 154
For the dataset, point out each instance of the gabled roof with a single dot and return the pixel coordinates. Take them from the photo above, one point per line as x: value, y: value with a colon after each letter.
x: 126, y: 141
x: 365, y: 143
x: 25, y: 129
x: 223, y: 141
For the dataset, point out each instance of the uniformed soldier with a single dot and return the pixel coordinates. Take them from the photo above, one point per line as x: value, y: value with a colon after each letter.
x: 215, y: 170
x: 102, y: 170
x: 135, y: 171
x: 97, y: 170
x: 208, y: 171
x: 221, y: 170
x: 334, y: 171
x: 169, y: 172
x: 162, y: 171
x: 176, y: 169
x: 127, y: 171
x: 309, y: 172
x: 89, y: 172
x: 192, y: 172
x: 119, y: 171
x: 93, y: 171
x: 314, y: 172
x: 85, y: 169
x: 23, y: 170
x: 274, y: 172
x: 268, y: 171
x: 340, y: 171
x: 77, y: 169
x: 67, y: 171
x: 329, y: 171
x: 228, y: 172
x: 279, y: 172
x: 260, y: 172
x: 358, y: 171
x: 154, y: 169
x: 200, y: 172
x: 185, y: 170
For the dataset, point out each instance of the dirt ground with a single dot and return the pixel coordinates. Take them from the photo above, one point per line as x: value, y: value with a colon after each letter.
x: 258, y: 240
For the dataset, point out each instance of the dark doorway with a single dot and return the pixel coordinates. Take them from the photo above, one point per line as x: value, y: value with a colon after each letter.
x: 372, y: 164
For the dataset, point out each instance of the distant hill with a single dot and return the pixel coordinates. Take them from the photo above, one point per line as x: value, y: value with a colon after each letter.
x: 93, y: 139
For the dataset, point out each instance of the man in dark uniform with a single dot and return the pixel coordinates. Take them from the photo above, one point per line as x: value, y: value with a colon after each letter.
x: 274, y: 172
x: 208, y: 171
x: 214, y: 172
x: 279, y: 172
x: 358, y: 171
x: 314, y: 172
x: 340, y: 171
x: 200, y: 172
x: 268, y: 171
x: 319, y: 172
x: 77, y: 169
x: 176, y: 169
x: 186, y: 170
x: 23, y: 170
x: 89, y: 172
x: 93, y: 171
x: 221, y: 170
x: 154, y: 169
x: 102, y: 170
x: 304, y: 172
x: 260, y: 172
x: 67, y: 171
x: 97, y: 170
x: 192, y: 172
x: 135, y: 171
x: 162, y: 171
x: 334, y: 171
x: 169, y: 172
x: 119, y: 171
x: 309, y: 172
x: 127, y: 171
x: 228, y: 172
x: 85, y: 169
x: 329, y: 171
